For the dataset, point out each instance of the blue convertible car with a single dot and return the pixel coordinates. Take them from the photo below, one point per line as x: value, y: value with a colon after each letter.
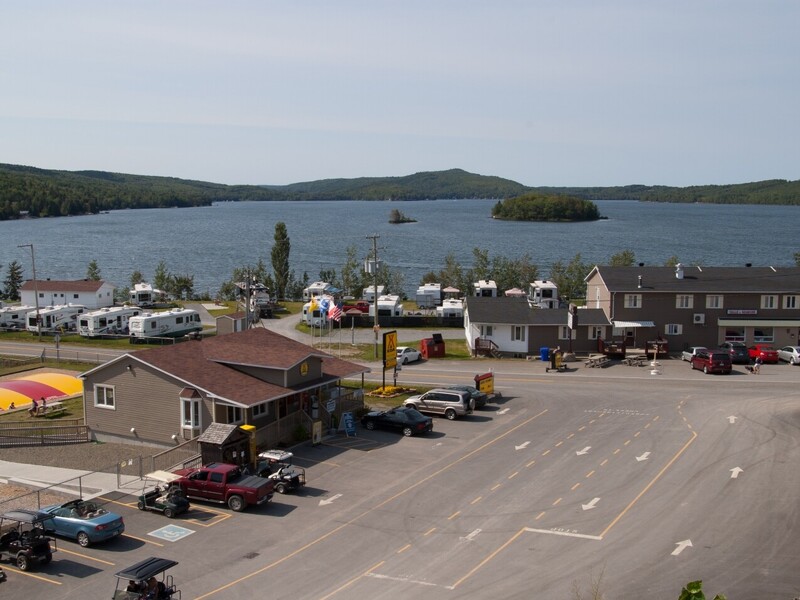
x: 84, y: 521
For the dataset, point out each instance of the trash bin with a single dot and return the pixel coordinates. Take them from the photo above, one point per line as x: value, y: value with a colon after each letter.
x: 432, y: 347
x: 544, y: 353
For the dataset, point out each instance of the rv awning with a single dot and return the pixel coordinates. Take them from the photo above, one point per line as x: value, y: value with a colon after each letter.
x: 627, y: 324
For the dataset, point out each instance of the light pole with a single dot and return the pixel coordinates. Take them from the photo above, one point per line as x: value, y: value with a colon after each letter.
x: 35, y: 289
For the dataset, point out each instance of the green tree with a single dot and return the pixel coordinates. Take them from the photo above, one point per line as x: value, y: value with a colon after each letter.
x: 797, y: 259
x: 162, y: 277
x: 672, y: 261
x: 570, y: 277
x: 694, y: 591
x: 480, y: 265
x: 626, y: 258
x: 453, y: 275
x: 13, y: 281
x: 182, y: 286
x: 93, y: 272
x: 351, y: 273
x: 280, y: 259
x: 136, y: 277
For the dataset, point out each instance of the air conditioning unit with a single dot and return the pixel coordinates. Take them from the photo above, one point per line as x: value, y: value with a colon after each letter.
x: 699, y: 319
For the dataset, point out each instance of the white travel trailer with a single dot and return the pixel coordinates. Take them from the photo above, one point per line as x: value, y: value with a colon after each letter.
x: 107, y: 321
x: 316, y: 289
x: 172, y: 323
x: 451, y: 307
x: 485, y: 288
x: 543, y: 294
x: 388, y: 306
x: 429, y: 295
x: 144, y: 295
x: 368, y: 293
x: 315, y: 318
x: 13, y: 317
x: 54, y: 319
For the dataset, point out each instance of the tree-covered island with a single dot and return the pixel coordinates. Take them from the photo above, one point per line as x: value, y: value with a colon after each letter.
x: 396, y: 217
x: 541, y: 207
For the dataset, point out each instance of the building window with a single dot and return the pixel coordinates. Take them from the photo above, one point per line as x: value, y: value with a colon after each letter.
x: 763, y: 334
x: 486, y: 331
x: 674, y: 329
x: 235, y: 414
x: 769, y: 301
x: 76, y: 296
x: 190, y: 416
x: 633, y: 301
x: 517, y: 333
x: 684, y: 301
x: 790, y: 302
x: 260, y: 410
x: 104, y: 396
x: 564, y: 334
x: 596, y: 332
x: 713, y: 301
x: 734, y: 335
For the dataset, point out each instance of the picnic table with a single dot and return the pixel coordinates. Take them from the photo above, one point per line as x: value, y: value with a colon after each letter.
x: 637, y: 360
x: 598, y: 361
x: 51, y: 408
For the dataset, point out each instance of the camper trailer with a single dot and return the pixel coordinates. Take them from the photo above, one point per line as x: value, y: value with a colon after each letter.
x: 172, y: 323
x: 485, y: 288
x: 543, y: 294
x: 54, y: 319
x: 429, y: 295
x: 314, y: 318
x: 13, y: 317
x: 317, y: 289
x: 144, y: 295
x: 107, y: 321
x: 368, y: 293
x: 388, y: 306
x: 260, y: 302
x: 451, y: 307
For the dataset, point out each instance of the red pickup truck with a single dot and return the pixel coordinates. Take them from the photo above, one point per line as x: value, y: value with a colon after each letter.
x: 361, y: 306
x: 225, y: 484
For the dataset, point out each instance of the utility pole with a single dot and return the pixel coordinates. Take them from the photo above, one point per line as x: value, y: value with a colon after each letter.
x: 35, y: 290
x: 375, y: 326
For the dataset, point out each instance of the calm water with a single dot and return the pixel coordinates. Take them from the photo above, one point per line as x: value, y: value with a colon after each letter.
x: 210, y: 242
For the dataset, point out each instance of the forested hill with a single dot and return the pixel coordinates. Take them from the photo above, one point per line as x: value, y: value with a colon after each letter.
x: 41, y: 193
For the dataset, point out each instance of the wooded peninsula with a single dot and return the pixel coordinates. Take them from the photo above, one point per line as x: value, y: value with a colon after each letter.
x: 32, y: 192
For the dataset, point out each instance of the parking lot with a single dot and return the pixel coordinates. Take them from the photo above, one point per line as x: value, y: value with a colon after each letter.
x: 630, y: 481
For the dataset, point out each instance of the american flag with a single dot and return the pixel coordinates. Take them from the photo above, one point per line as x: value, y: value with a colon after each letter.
x: 335, y: 312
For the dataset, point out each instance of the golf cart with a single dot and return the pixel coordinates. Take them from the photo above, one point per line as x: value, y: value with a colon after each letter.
x: 277, y: 465
x: 26, y: 537
x: 134, y: 582
x: 161, y: 494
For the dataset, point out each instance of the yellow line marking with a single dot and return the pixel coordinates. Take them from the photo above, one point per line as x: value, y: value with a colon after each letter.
x: 559, y: 443
x: 494, y: 487
x: 647, y: 425
x: 478, y: 499
x: 656, y: 418
x: 626, y: 442
x: 617, y: 451
x: 404, y: 548
x: 347, y: 583
x: 488, y: 558
x: 546, y: 452
x: 138, y: 539
x: 589, y: 474
x: 33, y: 575
x: 337, y: 529
x: 539, y: 516
x: 530, y: 464
x: 637, y: 434
x: 649, y: 485
x: 582, y: 427
x: 514, y: 474
x: 454, y: 515
x: 570, y: 436
x: 105, y: 562
x: 430, y: 531
x: 557, y: 502
x: 576, y: 486
x: 603, y: 464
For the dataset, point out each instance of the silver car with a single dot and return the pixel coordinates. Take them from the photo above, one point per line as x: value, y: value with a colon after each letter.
x: 690, y: 352
x: 790, y: 354
x: 440, y: 401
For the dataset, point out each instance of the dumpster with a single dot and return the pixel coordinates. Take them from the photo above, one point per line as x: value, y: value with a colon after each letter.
x: 432, y: 347
x: 544, y: 353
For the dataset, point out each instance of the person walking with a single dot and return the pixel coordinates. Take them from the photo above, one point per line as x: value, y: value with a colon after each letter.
x: 757, y: 365
x: 34, y: 407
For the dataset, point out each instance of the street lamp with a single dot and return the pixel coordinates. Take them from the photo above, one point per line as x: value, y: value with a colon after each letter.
x: 35, y: 289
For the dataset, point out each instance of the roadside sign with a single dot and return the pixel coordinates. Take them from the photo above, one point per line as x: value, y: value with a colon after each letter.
x: 348, y: 423
x: 389, y: 349
x: 485, y: 382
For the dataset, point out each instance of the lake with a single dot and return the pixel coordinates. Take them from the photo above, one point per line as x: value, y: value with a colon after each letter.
x: 209, y: 242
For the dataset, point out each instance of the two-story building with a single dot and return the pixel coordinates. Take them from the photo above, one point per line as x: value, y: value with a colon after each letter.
x: 698, y: 306
x: 86, y: 292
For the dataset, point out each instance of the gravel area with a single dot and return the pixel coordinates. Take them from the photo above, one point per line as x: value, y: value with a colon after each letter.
x: 91, y: 456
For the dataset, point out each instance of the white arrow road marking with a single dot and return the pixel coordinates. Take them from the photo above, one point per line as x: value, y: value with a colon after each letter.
x: 471, y: 537
x: 503, y: 411
x: 584, y: 451
x: 731, y: 419
x: 522, y: 446
x: 642, y: 457
x: 329, y: 500
x: 681, y: 547
x: 735, y: 472
x: 591, y: 504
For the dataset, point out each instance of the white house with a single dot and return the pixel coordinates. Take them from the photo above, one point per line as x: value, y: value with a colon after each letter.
x: 87, y: 292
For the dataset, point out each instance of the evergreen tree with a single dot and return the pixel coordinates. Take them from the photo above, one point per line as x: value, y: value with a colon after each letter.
x: 13, y: 281
x: 351, y: 273
x: 280, y: 259
x: 136, y: 277
x: 626, y: 258
x: 93, y: 272
x: 161, y: 279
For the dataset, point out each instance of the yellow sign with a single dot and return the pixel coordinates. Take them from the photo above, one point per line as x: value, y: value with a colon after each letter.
x: 304, y: 369
x: 390, y: 350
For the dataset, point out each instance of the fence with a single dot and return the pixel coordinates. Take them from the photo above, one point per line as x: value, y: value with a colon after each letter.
x: 21, y: 433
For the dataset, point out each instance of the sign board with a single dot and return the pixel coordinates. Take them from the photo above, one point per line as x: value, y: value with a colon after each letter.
x: 330, y: 405
x: 348, y: 424
x: 316, y: 433
x: 485, y: 382
x: 389, y: 349
x: 572, y: 317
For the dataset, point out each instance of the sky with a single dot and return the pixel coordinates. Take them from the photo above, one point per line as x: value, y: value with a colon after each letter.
x: 546, y: 93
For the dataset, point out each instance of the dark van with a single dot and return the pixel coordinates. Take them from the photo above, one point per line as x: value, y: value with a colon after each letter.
x: 712, y: 361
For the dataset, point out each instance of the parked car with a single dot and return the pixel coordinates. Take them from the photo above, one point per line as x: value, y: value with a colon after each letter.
x: 26, y: 538
x: 85, y: 522
x: 790, y: 354
x: 767, y: 353
x: 712, y: 361
x: 442, y: 401
x: 737, y: 351
x: 406, y: 420
x: 480, y: 398
x: 407, y: 354
x: 690, y: 352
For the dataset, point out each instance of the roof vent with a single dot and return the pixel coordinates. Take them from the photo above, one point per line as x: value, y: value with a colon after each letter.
x: 640, y: 282
x: 748, y: 264
x: 641, y: 264
x: 679, y: 271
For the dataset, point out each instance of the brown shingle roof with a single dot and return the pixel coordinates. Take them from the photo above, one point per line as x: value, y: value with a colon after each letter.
x: 51, y: 285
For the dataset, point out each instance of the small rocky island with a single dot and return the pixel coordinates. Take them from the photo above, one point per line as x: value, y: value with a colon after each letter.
x: 396, y: 217
x: 541, y: 207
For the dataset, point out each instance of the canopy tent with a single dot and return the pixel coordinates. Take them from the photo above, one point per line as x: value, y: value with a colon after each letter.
x: 632, y: 324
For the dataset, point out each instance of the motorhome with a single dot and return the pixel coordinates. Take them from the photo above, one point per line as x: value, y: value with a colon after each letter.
x: 13, y: 317
x: 318, y: 317
x: 316, y: 289
x: 172, y: 323
x: 429, y: 295
x: 485, y: 288
x: 54, y: 319
x: 451, y: 307
x: 388, y: 306
x: 144, y: 295
x: 260, y: 301
x: 107, y: 321
x: 543, y: 294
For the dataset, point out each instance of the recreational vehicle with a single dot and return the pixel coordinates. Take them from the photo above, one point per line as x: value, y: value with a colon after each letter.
x: 144, y: 295
x: 172, y: 323
x: 451, y: 307
x: 429, y: 295
x: 107, y: 321
x: 314, y: 318
x: 13, y: 317
x: 388, y: 306
x: 316, y: 289
x: 485, y: 288
x: 543, y: 294
x: 53, y: 319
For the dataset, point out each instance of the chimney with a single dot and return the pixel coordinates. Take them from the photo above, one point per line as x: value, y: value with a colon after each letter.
x: 640, y: 282
x: 679, y: 271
